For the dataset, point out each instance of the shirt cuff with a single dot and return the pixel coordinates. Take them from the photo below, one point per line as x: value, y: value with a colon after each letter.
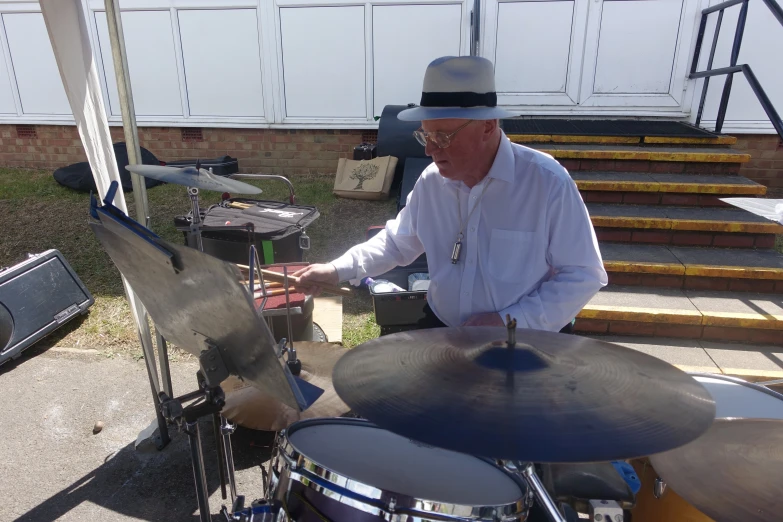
x: 515, y: 311
x: 345, y: 267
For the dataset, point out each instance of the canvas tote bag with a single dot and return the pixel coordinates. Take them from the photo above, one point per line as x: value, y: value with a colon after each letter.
x: 364, y: 179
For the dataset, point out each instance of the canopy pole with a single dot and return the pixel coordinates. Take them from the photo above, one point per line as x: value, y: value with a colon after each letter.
x: 117, y: 39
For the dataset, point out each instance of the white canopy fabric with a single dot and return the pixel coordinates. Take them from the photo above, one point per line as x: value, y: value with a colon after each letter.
x: 68, y: 33
x: 67, y: 28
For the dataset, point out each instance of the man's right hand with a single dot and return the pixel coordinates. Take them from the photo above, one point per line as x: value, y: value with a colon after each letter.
x: 310, y: 277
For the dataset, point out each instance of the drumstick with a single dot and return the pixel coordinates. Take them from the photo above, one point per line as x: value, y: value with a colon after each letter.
x: 278, y: 276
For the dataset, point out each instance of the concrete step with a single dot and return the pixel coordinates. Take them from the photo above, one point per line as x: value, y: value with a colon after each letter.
x: 640, y: 158
x: 750, y: 362
x: 639, y: 188
x: 695, y: 314
x: 693, y: 268
x: 682, y: 226
x: 717, y: 141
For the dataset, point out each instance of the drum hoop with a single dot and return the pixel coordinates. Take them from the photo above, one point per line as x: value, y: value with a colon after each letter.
x: 373, y: 502
x: 735, y: 380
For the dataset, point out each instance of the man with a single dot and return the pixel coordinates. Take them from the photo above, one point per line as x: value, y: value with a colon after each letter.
x: 503, y: 226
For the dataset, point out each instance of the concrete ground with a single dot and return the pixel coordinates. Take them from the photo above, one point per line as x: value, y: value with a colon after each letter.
x: 52, y: 466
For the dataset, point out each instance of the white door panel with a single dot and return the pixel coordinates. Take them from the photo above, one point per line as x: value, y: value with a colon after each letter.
x: 430, y: 31
x: 37, y: 76
x: 152, y: 63
x: 537, y: 48
x: 637, y: 52
x: 216, y: 40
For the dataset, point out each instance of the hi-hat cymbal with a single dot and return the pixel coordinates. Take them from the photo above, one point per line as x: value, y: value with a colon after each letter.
x: 554, y: 398
x: 732, y: 472
x: 252, y: 408
x: 192, y: 177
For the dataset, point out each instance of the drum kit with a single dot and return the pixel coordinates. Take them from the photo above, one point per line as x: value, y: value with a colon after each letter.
x: 483, y: 424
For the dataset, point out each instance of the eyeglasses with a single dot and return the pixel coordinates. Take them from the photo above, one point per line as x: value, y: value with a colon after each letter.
x: 441, y: 139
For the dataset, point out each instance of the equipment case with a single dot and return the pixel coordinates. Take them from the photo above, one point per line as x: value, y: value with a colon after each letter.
x: 38, y: 296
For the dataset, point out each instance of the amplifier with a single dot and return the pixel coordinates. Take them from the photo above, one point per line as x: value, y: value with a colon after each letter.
x: 37, y: 296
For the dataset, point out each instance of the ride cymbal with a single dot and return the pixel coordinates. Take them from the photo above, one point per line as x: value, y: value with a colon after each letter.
x: 732, y: 472
x: 553, y: 398
x: 252, y: 408
x: 192, y: 177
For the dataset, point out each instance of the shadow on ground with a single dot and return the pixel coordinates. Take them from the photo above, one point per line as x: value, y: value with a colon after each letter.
x: 158, y: 486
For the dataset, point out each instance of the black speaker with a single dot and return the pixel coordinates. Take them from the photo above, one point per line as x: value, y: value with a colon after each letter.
x: 37, y: 296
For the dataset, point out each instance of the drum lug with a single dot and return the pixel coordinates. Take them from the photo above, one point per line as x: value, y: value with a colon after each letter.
x: 659, y: 488
x: 392, y: 506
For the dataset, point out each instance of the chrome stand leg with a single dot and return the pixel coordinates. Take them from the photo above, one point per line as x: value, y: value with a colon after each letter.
x: 197, y: 457
x: 226, y: 429
x: 528, y: 472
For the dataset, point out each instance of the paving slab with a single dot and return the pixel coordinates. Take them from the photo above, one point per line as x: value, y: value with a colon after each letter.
x: 643, y: 297
x: 52, y: 466
x: 736, y: 303
x: 738, y: 359
x: 726, y: 257
x: 636, y: 253
x: 686, y: 354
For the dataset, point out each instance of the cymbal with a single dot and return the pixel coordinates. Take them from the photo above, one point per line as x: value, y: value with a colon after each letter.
x: 192, y: 177
x: 252, y: 408
x: 732, y: 472
x: 554, y: 398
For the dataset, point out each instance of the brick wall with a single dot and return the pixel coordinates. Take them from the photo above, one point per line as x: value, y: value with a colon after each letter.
x: 276, y: 151
x: 270, y: 151
x: 766, y: 163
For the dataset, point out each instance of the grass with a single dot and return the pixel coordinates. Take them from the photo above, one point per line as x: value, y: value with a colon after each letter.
x: 37, y: 214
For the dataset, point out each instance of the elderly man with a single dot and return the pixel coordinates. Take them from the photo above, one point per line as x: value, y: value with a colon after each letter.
x: 503, y: 226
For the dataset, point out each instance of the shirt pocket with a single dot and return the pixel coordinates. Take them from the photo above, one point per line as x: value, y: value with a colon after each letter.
x: 510, y: 252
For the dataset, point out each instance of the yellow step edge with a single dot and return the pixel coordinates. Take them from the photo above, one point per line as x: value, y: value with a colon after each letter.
x: 630, y: 222
x: 646, y: 155
x: 741, y: 320
x: 719, y: 140
x: 640, y: 315
x: 697, y: 225
x: 704, y: 225
x: 655, y: 186
x: 716, y: 188
x: 618, y: 186
x: 741, y: 272
x: 752, y: 375
x: 561, y: 138
x: 644, y: 268
x: 683, y: 317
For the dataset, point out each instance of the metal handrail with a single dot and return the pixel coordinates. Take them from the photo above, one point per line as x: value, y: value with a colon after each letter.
x: 733, y: 68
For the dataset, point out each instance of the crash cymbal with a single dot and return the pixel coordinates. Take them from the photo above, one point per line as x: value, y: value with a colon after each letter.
x: 194, y: 298
x: 553, y: 398
x: 252, y: 408
x: 192, y: 177
x: 732, y: 472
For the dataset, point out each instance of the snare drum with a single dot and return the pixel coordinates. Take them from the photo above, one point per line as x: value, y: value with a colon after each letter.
x: 737, y: 398
x: 349, y: 470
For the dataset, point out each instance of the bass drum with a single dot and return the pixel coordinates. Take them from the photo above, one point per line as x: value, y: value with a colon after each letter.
x: 341, y: 470
x: 733, y: 398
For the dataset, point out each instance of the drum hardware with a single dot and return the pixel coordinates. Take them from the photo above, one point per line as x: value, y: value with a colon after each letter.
x: 606, y: 511
x: 537, y: 491
x: 413, y: 383
x: 659, y: 488
x: 171, y: 281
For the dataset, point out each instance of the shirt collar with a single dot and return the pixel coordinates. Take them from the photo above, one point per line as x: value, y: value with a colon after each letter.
x: 502, y: 168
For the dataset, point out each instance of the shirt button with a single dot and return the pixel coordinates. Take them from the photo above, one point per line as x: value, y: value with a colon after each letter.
x: 474, y: 197
x: 466, y: 293
x: 472, y: 229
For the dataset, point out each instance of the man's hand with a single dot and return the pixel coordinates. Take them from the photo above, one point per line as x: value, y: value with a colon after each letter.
x: 310, y: 277
x: 488, y: 319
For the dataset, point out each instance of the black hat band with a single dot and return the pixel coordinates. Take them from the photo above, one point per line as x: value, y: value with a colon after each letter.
x: 459, y: 99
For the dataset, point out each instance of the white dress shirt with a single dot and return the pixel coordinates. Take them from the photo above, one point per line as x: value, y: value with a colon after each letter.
x: 529, y: 249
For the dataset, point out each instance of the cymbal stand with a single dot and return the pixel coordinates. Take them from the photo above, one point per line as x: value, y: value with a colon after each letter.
x: 536, y: 489
x: 213, y: 372
x: 195, y: 222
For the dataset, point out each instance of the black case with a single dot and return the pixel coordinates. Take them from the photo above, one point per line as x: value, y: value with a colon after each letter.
x: 38, y: 296
x: 222, y: 166
x: 364, y: 151
x: 275, y: 233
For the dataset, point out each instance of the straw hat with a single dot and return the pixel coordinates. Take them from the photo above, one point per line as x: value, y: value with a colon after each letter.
x: 457, y: 87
